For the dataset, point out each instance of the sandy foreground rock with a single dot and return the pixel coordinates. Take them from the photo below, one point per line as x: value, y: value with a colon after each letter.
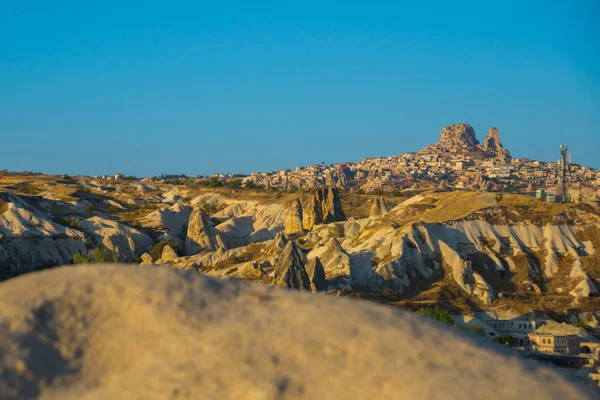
x: 117, y: 332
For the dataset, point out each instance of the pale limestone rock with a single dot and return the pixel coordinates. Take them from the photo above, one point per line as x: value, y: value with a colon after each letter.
x: 147, y: 259
x: 294, y: 219
x: 290, y: 271
x: 325, y: 207
x: 316, y: 275
x: 201, y: 234
x: 168, y: 254
x: 379, y: 208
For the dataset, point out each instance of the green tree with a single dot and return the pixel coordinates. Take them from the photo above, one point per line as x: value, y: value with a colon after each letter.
x: 438, y: 314
x: 157, y: 250
x: 506, y: 339
x: 214, y: 182
x: 478, y: 330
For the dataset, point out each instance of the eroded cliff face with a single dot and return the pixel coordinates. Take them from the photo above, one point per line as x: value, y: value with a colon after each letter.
x: 493, y: 147
x: 485, y: 260
x: 463, y: 242
x: 324, y: 207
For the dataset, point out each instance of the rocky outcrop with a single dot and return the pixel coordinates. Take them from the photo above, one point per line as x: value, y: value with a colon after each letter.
x: 294, y: 219
x: 122, y: 240
x: 325, y: 207
x: 168, y: 254
x: 290, y: 271
x: 378, y: 208
x: 493, y: 147
x: 316, y: 275
x: 460, y: 138
x: 201, y: 234
x: 119, y: 332
x: 279, y: 242
x: 313, y: 214
x: 30, y: 240
x: 172, y: 221
x: 335, y: 261
x: 147, y: 259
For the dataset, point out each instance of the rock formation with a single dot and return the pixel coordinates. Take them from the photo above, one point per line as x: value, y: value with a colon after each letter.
x: 325, y: 207
x: 147, y: 259
x: 201, y: 234
x: 120, y: 239
x: 168, y: 254
x: 460, y: 138
x: 378, y: 208
x: 280, y: 241
x: 290, y: 271
x: 316, y: 275
x: 493, y: 147
x: 119, y: 332
x: 294, y: 219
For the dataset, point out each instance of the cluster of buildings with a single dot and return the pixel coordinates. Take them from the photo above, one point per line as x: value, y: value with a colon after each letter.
x: 541, y: 339
x: 422, y: 170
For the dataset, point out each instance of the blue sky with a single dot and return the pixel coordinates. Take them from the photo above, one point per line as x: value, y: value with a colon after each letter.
x: 150, y: 87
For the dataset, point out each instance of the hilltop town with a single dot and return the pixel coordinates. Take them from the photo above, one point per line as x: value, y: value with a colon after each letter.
x: 456, y: 232
x: 457, y: 161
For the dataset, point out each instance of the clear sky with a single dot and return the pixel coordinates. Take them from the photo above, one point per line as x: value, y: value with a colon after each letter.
x: 150, y: 87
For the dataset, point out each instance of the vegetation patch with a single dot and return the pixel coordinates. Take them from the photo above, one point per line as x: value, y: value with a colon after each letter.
x: 157, y: 249
x: 98, y: 255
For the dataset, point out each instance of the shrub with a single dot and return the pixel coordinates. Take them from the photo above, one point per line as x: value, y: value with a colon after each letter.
x: 98, y: 255
x: 506, y: 339
x: 234, y: 184
x: 112, y: 209
x: 79, y: 259
x: 71, y: 222
x: 439, y: 314
x: 101, y: 254
x: 478, y: 330
x: 157, y: 250
x: 498, y: 198
x: 214, y: 182
x: 91, y: 207
x: 27, y: 189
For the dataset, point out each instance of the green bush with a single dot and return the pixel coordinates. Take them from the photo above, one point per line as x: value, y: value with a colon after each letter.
x: 157, y: 250
x: 101, y: 254
x: 112, y: 209
x: 498, y: 198
x: 91, y: 207
x: 477, y: 329
x: 234, y: 184
x: 506, y: 339
x: 98, y: 255
x: 71, y: 222
x: 439, y: 314
x: 79, y: 259
x: 214, y: 182
x: 27, y: 189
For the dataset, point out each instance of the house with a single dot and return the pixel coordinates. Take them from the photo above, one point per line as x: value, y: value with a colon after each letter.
x: 543, y: 342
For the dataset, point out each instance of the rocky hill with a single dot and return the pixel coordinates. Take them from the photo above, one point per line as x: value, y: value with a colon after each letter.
x: 460, y: 139
x: 106, y: 332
